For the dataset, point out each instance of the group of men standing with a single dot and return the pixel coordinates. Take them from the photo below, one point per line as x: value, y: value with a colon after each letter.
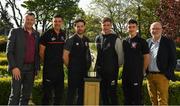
x: 155, y: 57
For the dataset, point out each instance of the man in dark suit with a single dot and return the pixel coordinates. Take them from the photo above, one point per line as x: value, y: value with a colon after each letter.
x: 162, y: 65
x: 23, y: 59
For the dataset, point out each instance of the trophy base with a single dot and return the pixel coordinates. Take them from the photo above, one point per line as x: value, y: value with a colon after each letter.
x: 92, y: 74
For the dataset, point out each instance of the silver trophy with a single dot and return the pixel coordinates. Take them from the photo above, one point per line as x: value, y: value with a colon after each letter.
x: 93, y: 51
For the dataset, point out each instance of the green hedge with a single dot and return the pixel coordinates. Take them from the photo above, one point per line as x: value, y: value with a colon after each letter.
x: 4, y: 90
x: 174, y: 91
x: 3, y: 42
x: 3, y: 62
x: 3, y: 58
x: 3, y: 71
x: 3, y: 46
x: 178, y: 52
x: 177, y: 75
x: 177, y: 44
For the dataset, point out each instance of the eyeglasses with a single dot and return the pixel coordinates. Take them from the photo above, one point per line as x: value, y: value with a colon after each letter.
x: 156, y: 28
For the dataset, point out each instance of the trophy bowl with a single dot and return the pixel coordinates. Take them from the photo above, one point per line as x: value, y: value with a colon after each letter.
x: 92, y: 74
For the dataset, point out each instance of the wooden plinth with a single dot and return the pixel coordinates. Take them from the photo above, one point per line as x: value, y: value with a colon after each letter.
x: 91, y: 91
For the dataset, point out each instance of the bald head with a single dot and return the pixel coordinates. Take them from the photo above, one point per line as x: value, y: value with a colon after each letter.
x: 156, y: 30
x: 156, y: 24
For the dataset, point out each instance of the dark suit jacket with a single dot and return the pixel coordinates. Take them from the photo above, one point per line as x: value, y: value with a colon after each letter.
x: 16, y: 49
x: 166, y: 57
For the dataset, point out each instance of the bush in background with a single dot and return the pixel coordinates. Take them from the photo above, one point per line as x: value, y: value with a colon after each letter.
x: 178, y: 53
x: 3, y: 42
x: 4, y: 90
x: 177, y: 75
x: 174, y: 92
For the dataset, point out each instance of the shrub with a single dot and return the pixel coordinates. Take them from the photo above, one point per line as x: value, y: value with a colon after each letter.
x: 174, y: 92
x: 3, y: 59
x: 3, y: 70
x: 120, y: 73
x: 3, y: 62
x: 4, y: 90
x: 2, y: 54
x: 177, y: 75
x: 177, y: 44
x: 37, y: 92
x: 178, y: 53
x: 3, y: 42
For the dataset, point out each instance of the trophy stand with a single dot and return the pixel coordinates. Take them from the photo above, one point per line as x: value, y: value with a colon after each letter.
x: 92, y: 83
x: 91, y: 91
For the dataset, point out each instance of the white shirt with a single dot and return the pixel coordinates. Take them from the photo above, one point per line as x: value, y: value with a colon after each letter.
x: 154, y: 47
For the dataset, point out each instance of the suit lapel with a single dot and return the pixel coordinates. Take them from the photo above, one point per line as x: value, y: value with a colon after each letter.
x: 23, y: 38
x: 161, y: 46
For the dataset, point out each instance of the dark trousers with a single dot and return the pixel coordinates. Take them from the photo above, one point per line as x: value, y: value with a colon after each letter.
x: 53, y: 90
x: 21, y: 89
x: 108, y: 89
x: 132, y: 92
x: 75, y: 93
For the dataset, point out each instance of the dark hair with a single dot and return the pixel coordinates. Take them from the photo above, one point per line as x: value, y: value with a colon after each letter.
x: 57, y: 16
x: 79, y: 20
x: 132, y: 21
x: 30, y: 13
x: 106, y: 19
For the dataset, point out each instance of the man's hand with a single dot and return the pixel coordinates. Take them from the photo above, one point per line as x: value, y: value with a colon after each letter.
x: 144, y: 73
x: 16, y: 73
x: 66, y: 57
x: 42, y: 51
